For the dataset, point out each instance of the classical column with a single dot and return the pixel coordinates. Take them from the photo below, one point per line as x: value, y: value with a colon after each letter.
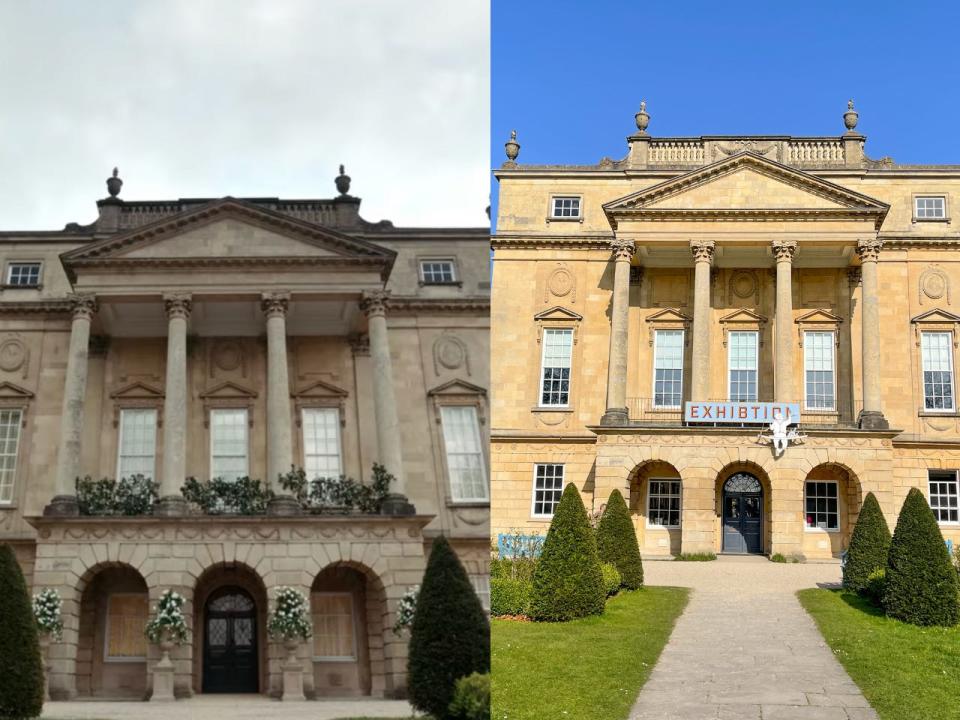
x: 279, y: 434
x: 374, y: 306
x: 175, y: 406
x: 871, y: 418
x: 616, y: 413
x: 700, y: 372
x: 783, y: 251
x: 64, y: 501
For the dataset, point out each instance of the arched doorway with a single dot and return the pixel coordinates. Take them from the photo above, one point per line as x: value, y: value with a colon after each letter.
x: 230, y: 642
x: 742, y: 514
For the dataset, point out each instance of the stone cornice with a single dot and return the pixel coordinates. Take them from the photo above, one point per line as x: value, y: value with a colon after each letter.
x: 901, y: 242
x: 232, y: 261
x: 680, y: 430
x: 58, y: 307
x: 507, y: 241
x: 400, y: 305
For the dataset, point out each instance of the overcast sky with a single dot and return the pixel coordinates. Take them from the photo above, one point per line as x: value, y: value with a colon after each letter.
x: 205, y: 98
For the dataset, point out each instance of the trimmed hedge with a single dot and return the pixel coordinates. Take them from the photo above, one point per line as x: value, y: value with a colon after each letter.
x: 21, y: 668
x: 869, y: 546
x: 921, y: 584
x: 567, y: 582
x: 471, y: 698
x: 617, y: 542
x: 450, y: 638
x: 510, y: 596
x: 612, y: 580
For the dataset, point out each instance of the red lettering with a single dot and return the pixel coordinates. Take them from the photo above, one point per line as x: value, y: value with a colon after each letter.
x: 694, y: 411
x: 743, y: 411
x: 722, y: 412
x: 707, y: 412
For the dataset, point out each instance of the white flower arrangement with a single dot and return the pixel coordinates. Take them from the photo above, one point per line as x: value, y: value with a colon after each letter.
x: 169, y: 617
x: 406, y: 609
x: 46, y: 611
x: 290, y: 617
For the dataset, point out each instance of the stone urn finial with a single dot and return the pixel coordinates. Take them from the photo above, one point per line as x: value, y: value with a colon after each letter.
x: 512, y: 147
x: 850, y: 117
x: 114, y: 183
x: 343, y: 182
x: 642, y: 118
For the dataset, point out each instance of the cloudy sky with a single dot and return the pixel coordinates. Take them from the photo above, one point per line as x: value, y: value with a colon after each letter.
x: 201, y: 98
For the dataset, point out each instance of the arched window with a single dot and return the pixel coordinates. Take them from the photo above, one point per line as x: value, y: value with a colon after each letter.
x: 663, y: 502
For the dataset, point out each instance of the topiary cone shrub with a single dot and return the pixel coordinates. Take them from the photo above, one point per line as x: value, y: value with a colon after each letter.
x: 21, y: 669
x: 921, y: 582
x: 450, y: 638
x: 869, y: 546
x: 567, y: 582
x: 617, y: 542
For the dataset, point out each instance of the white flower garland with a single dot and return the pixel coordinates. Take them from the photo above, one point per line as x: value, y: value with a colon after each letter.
x: 406, y: 609
x: 46, y: 611
x: 169, y: 616
x: 290, y: 617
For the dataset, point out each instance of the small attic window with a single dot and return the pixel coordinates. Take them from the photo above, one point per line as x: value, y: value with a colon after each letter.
x: 929, y: 207
x: 437, y: 272
x: 23, y: 274
x: 566, y: 207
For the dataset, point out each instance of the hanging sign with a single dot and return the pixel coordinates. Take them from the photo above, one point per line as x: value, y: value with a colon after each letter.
x: 739, y: 413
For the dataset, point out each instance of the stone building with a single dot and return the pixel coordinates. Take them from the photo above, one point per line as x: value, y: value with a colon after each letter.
x: 650, y: 315
x: 228, y: 338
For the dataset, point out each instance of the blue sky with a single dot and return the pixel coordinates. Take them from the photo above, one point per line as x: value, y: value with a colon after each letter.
x: 569, y: 76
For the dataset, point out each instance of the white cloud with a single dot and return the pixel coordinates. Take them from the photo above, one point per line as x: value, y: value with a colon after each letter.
x: 205, y: 98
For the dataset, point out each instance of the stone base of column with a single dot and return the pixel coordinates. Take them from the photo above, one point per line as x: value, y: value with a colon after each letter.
x: 283, y: 506
x: 615, y: 416
x: 292, y: 681
x: 396, y: 504
x: 873, y: 420
x: 62, y: 506
x: 163, y: 682
x: 171, y: 506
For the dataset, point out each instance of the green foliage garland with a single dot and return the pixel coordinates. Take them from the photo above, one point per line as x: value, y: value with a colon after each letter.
x: 134, y: 495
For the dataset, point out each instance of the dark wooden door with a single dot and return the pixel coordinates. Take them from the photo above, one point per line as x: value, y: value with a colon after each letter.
x: 742, y: 514
x: 230, y: 643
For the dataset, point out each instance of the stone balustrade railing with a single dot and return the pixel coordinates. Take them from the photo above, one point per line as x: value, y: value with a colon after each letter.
x: 693, y: 152
x: 677, y: 152
x: 815, y: 151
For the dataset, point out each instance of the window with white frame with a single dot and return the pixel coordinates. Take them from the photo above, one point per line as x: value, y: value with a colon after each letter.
x: 10, y: 421
x: 547, y: 488
x: 321, y: 443
x: 742, y: 365
x: 936, y: 349
x: 137, y: 444
x: 464, y: 449
x: 930, y: 207
x: 334, y: 636
x: 565, y: 207
x: 228, y: 443
x: 818, y: 366
x: 663, y: 503
x: 23, y: 274
x: 437, y: 272
x: 555, y: 366
x: 944, y: 492
x: 822, y: 510
x: 667, y: 368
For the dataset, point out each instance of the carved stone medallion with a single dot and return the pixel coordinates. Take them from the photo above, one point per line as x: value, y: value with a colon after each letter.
x: 934, y: 285
x: 743, y: 284
x: 450, y: 353
x: 227, y: 355
x: 13, y: 354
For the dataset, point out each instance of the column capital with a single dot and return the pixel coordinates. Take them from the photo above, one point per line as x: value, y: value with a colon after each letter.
x: 83, y: 305
x: 178, y: 305
x: 702, y: 250
x: 374, y: 303
x: 868, y: 249
x: 275, y: 304
x: 623, y: 250
x: 784, y: 250
x: 854, y: 276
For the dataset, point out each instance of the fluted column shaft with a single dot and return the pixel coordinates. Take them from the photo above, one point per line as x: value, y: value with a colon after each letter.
x: 64, y: 501
x: 872, y: 416
x: 616, y: 413
x: 783, y: 382
x: 178, y: 308
x: 279, y: 431
x: 700, y: 367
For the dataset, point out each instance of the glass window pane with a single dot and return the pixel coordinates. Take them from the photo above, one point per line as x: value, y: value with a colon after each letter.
x: 10, y: 421
x: 228, y: 443
x: 555, y: 366
x: 668, y: 368
x: 664, y: 503
x: 818, y: 359
x: 333, y: 626
x: 547, y: 488
x: 137, y: 442
x: 465, y: 462
x: 321, y: 443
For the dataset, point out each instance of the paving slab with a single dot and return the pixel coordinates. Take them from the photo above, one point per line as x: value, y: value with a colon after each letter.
x: 745, y: 649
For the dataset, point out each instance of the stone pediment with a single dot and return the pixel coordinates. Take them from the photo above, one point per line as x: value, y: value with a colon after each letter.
x: 558, y: 313
x: 9, y: 391
x: 228, y: 391
x: 137, y: 391
x: 936, y: 316
x: 744, y: 316
x: 223, y: 231
x: 455, y: 388
x: 746, y: 186
x: 819, y: 316
x: 320, y: 389
x: 668, y: 315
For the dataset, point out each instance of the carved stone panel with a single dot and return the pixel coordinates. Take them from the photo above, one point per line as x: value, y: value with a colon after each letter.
x: 670, y: 288
x: 743, y: 289
x: 934, y: 285
x: 450, y: 353
x: 560, y: 284
x: 14, y: 356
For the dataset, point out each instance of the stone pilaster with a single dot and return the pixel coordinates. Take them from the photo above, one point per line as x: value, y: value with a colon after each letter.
x: 178, y: 308
x: 279, y: 430
x: 374, y: 306
x: 700, y: 367
x: 783, y: 380
x: 871, y: 417
x: 616, y: 413
x: 64, y: 501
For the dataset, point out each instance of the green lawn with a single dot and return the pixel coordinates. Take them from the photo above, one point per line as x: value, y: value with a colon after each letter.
x: 588, y: 669
x: 905, y: 672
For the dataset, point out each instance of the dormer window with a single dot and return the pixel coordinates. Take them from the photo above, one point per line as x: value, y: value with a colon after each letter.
x: 23, y: 274
x: 929, y: 207
x: 437, y: 272
x: 565, y: 207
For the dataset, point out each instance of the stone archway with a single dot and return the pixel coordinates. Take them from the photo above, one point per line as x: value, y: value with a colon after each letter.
x: 111, y: 648
x: 743, y: 509
x: 832, y: 497
x: 656, y: 507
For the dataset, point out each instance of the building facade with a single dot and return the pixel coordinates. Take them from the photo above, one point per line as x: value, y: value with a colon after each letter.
x: 230, y: 338
x: 651, y: 315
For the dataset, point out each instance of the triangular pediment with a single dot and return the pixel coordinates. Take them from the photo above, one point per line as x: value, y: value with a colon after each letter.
x: 936, y: 316
x: 228, y: 390
x: 819, y: 316
x: 226, y: 228
x: 558, y: 313
x: 457, y: 387
x: 9, y: 391
x: 747, y: 186
x: 320, y: 389
x: 743, y: 316
x: 137, y: 391
x: 668, y: 315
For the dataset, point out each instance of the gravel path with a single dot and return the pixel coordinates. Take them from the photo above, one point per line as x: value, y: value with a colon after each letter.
x: 745, y: 647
